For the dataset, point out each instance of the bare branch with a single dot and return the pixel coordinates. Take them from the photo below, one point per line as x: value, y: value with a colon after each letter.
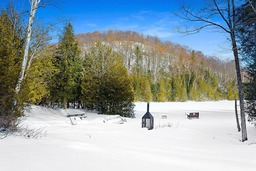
x: 40, y: 39
x: 253, y: 8
x: 190, y: 31
x: 228, y: 16
x: 221, y: 14
x: 188, y: 14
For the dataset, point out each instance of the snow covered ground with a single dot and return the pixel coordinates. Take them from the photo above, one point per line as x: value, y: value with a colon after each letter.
x: 99, y: 143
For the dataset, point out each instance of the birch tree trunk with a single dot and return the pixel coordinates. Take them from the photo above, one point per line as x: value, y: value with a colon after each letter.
x: 33, y: 8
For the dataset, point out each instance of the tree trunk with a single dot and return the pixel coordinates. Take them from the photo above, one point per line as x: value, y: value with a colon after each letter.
x: 237, y: 120
x: 64, y: 103
x: 33, y: 8
x: 240, y: 87
x: 228, y: 15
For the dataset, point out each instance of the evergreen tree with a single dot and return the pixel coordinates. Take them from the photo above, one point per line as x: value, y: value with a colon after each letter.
x: 177, y: 88
x: 189, y: 82
x: 246, y: 32
x: 195, y: 93
x: 39, y: 77
x: 117, y: 91
x: 161, y: 96
x: 10, y: 63
x: 91, y: 79
x: 169, y: 90
x: 200, y: 88
x: 232, y: 93
x: 139, y: 58
x: 154, y: 90
x: 136, y: 86
x: 184, y: 94
x: 106, y: 85
x: 67, y: 79
x: 213, y: 88
x: 145, y: 89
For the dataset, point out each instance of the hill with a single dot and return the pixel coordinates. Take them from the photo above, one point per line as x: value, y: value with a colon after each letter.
x: 173, y: 72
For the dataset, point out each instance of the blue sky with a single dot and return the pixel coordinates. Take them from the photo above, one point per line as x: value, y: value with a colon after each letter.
x: 149, y: 17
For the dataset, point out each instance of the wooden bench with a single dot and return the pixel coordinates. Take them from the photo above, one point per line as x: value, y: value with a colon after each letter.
x: 81, y: 115
x: 73, y: 117
x: 193, y: 115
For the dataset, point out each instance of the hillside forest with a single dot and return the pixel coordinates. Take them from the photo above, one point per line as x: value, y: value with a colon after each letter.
x: 145, y: 67
x: 107, y: 71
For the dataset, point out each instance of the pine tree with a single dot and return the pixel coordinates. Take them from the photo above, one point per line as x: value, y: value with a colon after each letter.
x: 106, y: 85
x: 169, y: 90
x: 145, y: 88
x: 213, y: 87
x: 68, y: 62
x: 246, y: 19
x: 136, y: 85
x: 161, y: 96
x: 177, y: 88
x: 195, y: 93
x: 232, y: 92
x: 189, y: 82
x: 91, y: 79
x: 10, y: 64
x: 117, y: 88
x: 200, y: 88
x: 139, y: 58
x: 39, y: 76
x: 184, y: 94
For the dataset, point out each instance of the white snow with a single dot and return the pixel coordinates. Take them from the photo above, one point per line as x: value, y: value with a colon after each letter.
x: 100, y: 143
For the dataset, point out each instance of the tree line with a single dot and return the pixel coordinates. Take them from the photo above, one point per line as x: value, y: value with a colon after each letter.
x: 100, y: 78
x: 165, y: 71
x: 108, y: 71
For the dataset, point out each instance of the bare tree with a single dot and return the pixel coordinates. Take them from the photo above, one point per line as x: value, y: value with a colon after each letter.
x: 33, y: 8
x: 225, y: 12
x: 34, y: 5
x: 39, y: 40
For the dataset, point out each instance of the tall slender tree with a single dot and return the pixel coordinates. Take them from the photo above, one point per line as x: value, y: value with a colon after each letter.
x: 33, y: 8
x: 205, y: 17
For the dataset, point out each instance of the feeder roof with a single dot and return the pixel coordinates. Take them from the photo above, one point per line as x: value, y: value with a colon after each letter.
x: 148, y: 115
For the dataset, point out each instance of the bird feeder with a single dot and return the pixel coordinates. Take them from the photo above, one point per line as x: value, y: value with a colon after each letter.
x: 148, y: 120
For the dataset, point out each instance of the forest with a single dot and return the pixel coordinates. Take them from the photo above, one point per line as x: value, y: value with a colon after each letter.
x: 106, y: 71
x: 165, y: 71
x: 109, y: 70
x: 86, y: 68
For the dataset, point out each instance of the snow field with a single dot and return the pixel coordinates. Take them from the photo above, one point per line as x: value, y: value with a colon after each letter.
x: 99, y: 143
